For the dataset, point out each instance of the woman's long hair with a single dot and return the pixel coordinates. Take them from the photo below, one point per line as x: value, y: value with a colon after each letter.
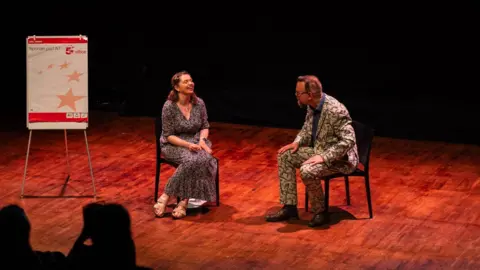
x: 173, y: 96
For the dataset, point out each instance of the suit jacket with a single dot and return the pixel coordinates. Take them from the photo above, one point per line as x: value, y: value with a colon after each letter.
x: 335, y: 139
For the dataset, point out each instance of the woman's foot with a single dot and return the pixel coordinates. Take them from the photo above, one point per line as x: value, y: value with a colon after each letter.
x: 159, y: 207
x: 181, y: 210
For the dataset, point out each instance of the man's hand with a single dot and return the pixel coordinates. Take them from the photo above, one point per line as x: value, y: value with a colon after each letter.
x: 194, y: 147
x: 293, y: 146
x: 313, y: 160
x: 205, y: 147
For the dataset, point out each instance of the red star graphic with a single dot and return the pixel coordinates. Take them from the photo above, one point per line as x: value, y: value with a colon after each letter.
x: 64, y: 65
x: 74, y: 76
x: 69, y: 100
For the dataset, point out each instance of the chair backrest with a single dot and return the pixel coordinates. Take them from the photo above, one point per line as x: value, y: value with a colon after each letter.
x: 364, y: 136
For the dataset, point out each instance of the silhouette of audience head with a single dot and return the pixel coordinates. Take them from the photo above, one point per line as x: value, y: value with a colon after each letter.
x: 15, y: 249
x: 111, y: 225
x: 14, y: 230
x: 108, y: 227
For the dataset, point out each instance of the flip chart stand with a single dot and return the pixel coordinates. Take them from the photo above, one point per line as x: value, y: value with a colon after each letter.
x: 67, y: 160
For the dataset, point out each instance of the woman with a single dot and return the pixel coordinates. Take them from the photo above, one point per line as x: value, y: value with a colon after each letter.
x: 184, y: 140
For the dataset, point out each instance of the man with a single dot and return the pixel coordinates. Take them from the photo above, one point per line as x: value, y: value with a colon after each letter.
x: 325, y: 145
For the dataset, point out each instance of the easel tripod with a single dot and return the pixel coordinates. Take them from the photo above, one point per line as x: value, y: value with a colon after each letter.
x: 68, y: 162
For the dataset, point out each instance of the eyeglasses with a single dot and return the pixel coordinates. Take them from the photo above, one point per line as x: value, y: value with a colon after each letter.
x: 300, y: 93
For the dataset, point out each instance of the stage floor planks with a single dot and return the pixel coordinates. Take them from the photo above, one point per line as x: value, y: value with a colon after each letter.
x: 426, y: 201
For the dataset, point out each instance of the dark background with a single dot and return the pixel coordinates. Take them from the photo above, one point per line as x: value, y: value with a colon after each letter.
x: 408, y: 71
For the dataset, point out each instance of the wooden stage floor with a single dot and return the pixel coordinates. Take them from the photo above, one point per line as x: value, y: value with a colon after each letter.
x: 426, y: 201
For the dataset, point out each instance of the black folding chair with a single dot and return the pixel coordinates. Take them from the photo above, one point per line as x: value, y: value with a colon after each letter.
x: 160, y: 160
x: 364, y: 137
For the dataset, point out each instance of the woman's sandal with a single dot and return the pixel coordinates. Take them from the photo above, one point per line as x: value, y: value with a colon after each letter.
x: 160, y: 206
x: 180, y: 211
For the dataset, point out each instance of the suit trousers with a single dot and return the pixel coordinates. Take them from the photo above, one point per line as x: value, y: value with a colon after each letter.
x: 310, y: 174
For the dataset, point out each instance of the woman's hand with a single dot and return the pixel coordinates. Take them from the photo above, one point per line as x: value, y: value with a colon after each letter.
x: 194, y: 147
x: 205, y: 147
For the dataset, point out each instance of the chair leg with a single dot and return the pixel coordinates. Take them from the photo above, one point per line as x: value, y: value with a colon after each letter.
x: 306, y: 200
x: 217, y: 182
x: 327, y: 191
x: 347, y: 190
x: 369, y: 198
x: 157, y: 181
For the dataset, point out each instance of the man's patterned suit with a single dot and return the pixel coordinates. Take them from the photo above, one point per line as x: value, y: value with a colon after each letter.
x: 334, y: 142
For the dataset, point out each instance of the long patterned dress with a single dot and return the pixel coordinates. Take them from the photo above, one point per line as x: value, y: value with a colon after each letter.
x: 195, y: 177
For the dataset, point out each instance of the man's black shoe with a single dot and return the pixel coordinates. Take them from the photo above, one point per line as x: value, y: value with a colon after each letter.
x: 319, y: 219
x: 282, y: 214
